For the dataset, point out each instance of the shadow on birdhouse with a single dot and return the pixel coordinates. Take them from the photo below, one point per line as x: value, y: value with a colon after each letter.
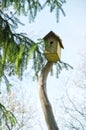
x: 53, y: 45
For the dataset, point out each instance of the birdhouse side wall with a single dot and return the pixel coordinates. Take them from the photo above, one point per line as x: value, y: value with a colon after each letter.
x: 59, y: 50
x: 51, y: 45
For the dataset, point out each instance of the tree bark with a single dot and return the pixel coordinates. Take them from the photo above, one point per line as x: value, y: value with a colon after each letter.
x: 46, y: 106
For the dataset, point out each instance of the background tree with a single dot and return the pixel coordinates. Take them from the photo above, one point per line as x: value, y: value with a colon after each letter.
x: 73, y: 102
x: 14, y: 101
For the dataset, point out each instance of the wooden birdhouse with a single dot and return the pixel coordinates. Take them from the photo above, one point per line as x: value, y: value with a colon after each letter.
x: 53, y: 45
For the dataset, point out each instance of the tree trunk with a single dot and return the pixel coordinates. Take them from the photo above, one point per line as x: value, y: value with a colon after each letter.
x: 46, y: 106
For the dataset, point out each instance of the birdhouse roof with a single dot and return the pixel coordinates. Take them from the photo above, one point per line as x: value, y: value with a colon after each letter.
x: 51, y: 33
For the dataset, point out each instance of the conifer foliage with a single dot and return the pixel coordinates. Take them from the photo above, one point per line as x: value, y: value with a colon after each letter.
x: 14, y: 48
x: 7, y: 119
x: 32, y: 7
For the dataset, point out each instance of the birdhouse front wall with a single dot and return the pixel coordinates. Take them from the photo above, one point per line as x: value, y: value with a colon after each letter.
x: 51, y: 45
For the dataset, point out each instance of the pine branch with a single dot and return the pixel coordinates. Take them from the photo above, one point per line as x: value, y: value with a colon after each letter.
x: 32, y: 7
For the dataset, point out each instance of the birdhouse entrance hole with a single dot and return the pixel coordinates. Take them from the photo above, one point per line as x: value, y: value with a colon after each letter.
x: 51, y: 43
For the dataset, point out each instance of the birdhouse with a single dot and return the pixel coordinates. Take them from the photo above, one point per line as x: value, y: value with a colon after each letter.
x: 53, y: 45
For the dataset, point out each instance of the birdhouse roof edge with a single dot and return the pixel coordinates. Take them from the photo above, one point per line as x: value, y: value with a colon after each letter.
x: 51, y: 32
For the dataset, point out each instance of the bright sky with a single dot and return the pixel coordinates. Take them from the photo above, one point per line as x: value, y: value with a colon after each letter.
x: 72, y: 31
x: 71, y: 28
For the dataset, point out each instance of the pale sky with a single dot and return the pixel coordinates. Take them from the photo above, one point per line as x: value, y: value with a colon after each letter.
x: 71, y: 28
x: 72, y: 31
